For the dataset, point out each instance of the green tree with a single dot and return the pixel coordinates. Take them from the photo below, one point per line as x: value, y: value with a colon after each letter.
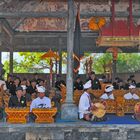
x: 29, y: 62
x: 128, y: 62
x: 101, y: 62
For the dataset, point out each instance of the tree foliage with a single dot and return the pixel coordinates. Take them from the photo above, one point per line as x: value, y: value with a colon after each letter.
x: 128, y: 62
x: 28, y: 62
x: 31, y: 62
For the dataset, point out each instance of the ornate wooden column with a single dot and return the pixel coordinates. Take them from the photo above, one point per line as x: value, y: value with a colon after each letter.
x: 69, y: 110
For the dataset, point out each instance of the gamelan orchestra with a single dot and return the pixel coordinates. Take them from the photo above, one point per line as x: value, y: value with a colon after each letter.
x: 93, y: 105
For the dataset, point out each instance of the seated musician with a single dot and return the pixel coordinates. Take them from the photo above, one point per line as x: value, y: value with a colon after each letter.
x: 17, y: 100
x: 85, y: 104
x: 25, y: 94
x: 132, y: 93
x: 108, y: 93
x: 78, y: 84
x: 41, y: 101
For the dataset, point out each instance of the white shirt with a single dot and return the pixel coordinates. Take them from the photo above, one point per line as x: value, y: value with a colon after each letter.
x: 84, y: 104
x: 41, y: 103
x: 129, y: 96
x: 105, y: 96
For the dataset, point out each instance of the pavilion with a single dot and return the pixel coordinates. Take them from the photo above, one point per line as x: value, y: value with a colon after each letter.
x: 38, y: 25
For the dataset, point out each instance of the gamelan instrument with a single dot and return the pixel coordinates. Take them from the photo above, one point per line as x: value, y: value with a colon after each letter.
x: 137, y: 111
x: 100, y: 110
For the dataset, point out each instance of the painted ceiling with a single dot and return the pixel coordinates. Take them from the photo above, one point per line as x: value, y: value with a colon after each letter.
x: 57, y: 24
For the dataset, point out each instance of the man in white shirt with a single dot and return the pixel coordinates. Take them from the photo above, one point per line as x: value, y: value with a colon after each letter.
x: 85, y: 103
x: 132, y: 93
x: 42, y: 101
x: 108, y: 93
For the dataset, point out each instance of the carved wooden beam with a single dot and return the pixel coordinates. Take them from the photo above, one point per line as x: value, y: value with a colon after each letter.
x: 6, y: 26
x: 32, y: 14
x: 64, y: 14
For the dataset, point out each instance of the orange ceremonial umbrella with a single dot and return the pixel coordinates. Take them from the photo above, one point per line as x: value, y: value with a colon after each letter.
x: 50, y: 55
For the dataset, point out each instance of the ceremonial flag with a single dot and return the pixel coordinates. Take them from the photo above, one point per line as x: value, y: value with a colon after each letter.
x: 77, y: 40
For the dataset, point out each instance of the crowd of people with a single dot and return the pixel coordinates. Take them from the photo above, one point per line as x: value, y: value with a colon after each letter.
x: 22, y: 91
x: 35, y: 91
x: 118, y: 83
x: 86, y: 105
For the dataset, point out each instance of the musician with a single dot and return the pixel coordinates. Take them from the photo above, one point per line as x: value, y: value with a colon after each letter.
x: 25, y: 94
x: 94, y: 81
x: 116, y: 83
x: 128, y: 83
x: 59, y: 82
x: 56, y: 97
x: 42, y: 101
x: 15, y: 84
x: 9, y: 81
x: 78, y: 84
x: 108, y: 93
x: 132, y: 93
x: 132, y: 77
x: 85, y: 103
x: 32, y: 88
x: 17, y: 100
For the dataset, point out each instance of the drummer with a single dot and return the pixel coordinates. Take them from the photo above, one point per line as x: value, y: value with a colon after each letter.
x: 85, y: 103
x: 108, y: 93
x: 132, y: 93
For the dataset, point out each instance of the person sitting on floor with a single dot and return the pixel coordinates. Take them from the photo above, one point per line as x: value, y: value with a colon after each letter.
x: 85, y: 103
x: 108, y: 93
x: 41, y: 101
x: 132, y: 93
x: 17, y: 100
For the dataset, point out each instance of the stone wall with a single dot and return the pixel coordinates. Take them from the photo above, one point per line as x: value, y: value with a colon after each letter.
x: 69, y: 131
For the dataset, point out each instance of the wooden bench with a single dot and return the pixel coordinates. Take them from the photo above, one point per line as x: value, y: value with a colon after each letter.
x: 44, y: 115
x: 16, y: 115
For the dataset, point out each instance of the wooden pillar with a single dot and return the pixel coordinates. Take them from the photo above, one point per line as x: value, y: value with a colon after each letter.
x: 60, y: 55
x: 11, y: 57
x: 114, y: 70
x: 1, y: 66
x: 69, y: 110
x: 11, y: 62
